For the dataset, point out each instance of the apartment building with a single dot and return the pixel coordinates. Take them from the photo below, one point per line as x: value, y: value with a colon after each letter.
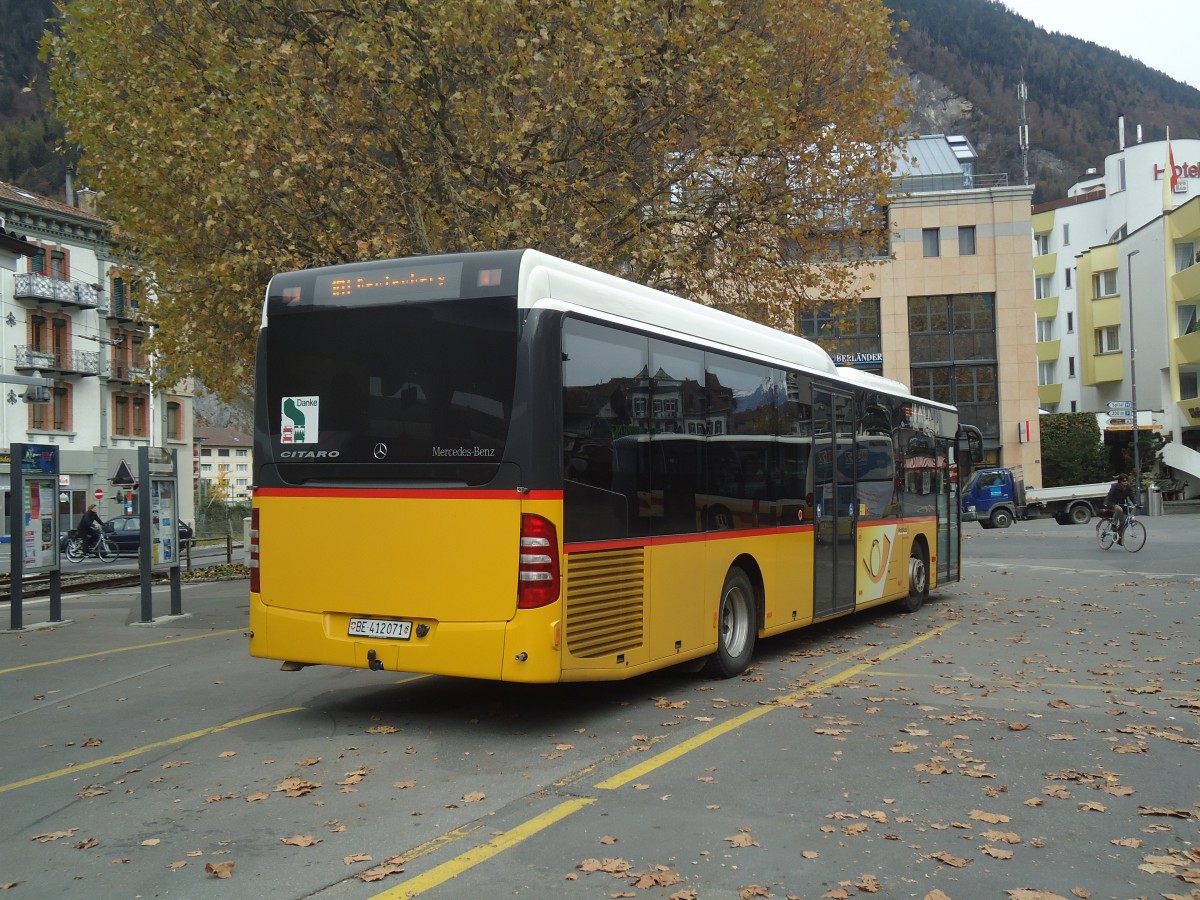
x: 951, y: 311
x: 224, y: 463
x: 69, y: 314
x: 1118, y: 290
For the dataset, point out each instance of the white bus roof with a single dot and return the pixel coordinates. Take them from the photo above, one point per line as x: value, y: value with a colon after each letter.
x: 545, y: 277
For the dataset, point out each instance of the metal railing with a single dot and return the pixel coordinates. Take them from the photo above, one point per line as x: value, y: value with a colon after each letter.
x: 84, y: 362
x: 961, y: 181
x: 43, y: 287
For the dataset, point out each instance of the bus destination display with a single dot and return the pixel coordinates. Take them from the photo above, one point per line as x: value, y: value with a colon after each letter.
x: 392, y: 284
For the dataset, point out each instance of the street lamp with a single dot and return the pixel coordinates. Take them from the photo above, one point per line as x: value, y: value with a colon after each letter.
x: 1137, y: 463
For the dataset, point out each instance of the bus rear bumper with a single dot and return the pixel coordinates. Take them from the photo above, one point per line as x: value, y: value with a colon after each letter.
x: 467, y: 649
x: 460, y: 649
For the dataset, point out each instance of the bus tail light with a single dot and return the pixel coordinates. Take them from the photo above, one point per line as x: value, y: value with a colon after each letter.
x: 537, y: 574
x: 253, y: 562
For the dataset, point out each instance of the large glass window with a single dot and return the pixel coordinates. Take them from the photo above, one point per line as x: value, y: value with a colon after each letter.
x: 952, y: 344
x: 661, y: 438
x: 412, y: 391
x: 852, y: 338
x: 606, y: 427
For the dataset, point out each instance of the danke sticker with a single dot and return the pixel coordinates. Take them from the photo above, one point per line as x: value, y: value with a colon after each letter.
x: 301, y: 420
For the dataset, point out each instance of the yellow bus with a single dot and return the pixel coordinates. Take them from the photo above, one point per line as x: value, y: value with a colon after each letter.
x: 507, y: 466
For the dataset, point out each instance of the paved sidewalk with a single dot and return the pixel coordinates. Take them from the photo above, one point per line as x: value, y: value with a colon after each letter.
x: 107, y: 621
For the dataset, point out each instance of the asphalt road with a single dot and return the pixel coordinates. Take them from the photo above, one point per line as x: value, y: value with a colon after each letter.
x: 1035, y: 727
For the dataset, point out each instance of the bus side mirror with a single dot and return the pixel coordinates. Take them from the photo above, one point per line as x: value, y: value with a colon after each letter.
x: 970, y: 445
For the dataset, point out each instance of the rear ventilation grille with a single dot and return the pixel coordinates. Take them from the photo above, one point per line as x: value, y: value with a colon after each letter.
x: 605, y: 602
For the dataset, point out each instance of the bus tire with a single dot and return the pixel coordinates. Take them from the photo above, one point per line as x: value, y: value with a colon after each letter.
x: 1080, y: 514
x: 918, y: 579
x: 737, y: 627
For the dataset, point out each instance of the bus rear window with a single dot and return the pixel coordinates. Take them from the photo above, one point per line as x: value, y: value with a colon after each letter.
x: 417, y: 391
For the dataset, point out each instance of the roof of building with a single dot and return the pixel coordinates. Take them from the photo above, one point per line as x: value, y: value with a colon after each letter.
x: 12, y: 194
x: 220, y: 437
x: 929, y: 154
x: 14, y: 243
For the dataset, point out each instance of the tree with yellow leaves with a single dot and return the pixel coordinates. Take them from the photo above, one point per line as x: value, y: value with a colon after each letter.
x: 714, y: 148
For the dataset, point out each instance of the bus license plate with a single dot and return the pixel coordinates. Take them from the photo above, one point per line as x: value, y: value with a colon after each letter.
x: 381, y: 628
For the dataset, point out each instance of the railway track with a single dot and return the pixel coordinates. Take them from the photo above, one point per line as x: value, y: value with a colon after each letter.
x: 39, y: 585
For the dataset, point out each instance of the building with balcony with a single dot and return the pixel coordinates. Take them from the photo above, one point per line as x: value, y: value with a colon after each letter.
x: 950, y: 310
x: 1117, y: 284
x: 69, y: 313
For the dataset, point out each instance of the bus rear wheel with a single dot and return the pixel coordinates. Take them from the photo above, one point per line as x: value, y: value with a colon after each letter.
x: 736, y: 627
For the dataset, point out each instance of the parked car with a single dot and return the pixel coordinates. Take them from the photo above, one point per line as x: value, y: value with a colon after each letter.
x: 125, y: 533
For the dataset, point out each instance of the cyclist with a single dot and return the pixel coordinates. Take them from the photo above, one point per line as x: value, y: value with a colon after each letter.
x: 89, y: 528
x: 1118, y: 493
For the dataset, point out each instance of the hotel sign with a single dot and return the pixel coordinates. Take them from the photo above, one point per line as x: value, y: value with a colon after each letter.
x: 1182, y: 171
x: 858, y: 359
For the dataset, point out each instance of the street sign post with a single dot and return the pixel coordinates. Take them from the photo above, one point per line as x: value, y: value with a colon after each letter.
x: 1120, y: 420
x: 1120, y: 404
x: 98, y: 493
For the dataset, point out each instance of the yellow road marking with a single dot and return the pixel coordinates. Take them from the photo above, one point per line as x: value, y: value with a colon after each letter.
x: 454, y: 867
x: 138, y: 751
x: 442, y: 840
x: 710, y: 734
x: 463, y: 862
x: 996, y: 684
x: 67, y: 659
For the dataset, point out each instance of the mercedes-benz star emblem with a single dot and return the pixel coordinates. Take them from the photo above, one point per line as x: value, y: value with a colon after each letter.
x: 380, y: 450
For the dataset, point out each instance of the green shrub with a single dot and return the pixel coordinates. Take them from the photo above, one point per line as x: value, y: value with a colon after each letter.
x: 1073, y: 451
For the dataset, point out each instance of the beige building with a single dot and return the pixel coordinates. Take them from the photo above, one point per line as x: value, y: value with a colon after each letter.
x: 951, y: 312
x: 224, y: 461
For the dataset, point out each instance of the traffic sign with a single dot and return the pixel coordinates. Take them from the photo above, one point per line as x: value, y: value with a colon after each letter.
x: 1120, y: 420
x: 98, y: 493
x: 1120, y: 404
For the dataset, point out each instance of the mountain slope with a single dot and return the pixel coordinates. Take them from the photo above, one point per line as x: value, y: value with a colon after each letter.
x: 965, y: 59
x: 978, y: 51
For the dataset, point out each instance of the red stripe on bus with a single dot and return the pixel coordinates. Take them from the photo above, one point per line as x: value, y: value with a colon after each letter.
x: 407, y: 493
x: 666, y: 540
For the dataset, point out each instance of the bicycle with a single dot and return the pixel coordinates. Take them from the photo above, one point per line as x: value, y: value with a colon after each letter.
x: 1134, y: 539
x: 105, y: 549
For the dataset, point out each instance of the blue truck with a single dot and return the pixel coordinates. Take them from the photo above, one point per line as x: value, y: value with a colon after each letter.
x: 995, y: 497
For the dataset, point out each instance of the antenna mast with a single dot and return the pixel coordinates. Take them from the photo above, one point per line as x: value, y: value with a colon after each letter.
x: 1023, y: 130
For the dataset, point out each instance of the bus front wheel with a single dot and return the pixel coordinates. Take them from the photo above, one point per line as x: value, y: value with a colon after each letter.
x: 736, y: 627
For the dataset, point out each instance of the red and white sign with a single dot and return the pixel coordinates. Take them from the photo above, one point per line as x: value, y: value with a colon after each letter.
x: 98, y: 493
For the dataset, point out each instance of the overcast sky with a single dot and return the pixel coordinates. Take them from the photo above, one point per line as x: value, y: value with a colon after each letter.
x: 1160, y: 33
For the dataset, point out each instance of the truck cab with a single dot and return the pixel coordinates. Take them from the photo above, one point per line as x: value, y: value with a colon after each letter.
x: 994, y: 497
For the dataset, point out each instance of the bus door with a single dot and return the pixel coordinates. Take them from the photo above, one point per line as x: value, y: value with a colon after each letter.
x: 949, y: 547
x: 835, y: 502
